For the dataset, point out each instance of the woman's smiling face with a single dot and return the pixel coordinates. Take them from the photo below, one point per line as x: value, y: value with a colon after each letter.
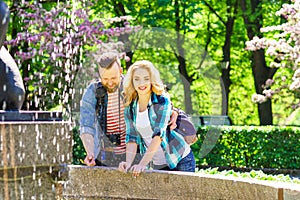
x: 142, y: 81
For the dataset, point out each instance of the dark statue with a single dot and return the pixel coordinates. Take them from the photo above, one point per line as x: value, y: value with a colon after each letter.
x: 12, y: 91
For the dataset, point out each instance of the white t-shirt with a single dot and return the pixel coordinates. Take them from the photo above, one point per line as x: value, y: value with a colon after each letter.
x: 144, y: 128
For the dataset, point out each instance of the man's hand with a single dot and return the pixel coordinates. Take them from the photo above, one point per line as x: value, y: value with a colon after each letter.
x: 89, y: 160
x: 173, y: 120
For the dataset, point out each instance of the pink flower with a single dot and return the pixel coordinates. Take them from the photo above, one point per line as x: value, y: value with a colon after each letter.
x: 26, y: 79
x: 127, y: 58
x: 258, y: 98
x: 269, y: 93
x: 295, y: 85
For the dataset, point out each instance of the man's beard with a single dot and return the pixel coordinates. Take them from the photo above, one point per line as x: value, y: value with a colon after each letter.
x: 111, y: 90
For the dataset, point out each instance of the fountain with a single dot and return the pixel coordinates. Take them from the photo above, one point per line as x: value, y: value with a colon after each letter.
x: 33, y: 154
x: 34, y: 145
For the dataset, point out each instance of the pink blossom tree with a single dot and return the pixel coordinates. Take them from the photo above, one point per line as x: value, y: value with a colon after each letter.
x: 282, y: 45
x: 52, y: 47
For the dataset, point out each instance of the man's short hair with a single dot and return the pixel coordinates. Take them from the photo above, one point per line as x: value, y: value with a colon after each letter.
x: 107, y: 59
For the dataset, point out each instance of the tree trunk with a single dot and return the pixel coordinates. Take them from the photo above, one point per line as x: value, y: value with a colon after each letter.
x: 261, y: 74
x: 225, y: 64
x: 226, y: 54
x: 186, y: 84
x: 185, y: 78
x: 259, y: 69
x: 119, y: 9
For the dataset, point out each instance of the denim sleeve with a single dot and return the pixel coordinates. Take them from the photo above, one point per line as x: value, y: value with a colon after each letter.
x: 87, y: 111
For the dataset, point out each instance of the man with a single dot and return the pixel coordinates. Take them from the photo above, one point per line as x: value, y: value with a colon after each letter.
x: 12, y: 90
x: 102, y: 125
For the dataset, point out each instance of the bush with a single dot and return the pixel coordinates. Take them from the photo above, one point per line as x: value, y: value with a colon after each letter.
x: 78, y: 149
x: 235, y: 146
x: 257, y: 175
x: 248, y: 146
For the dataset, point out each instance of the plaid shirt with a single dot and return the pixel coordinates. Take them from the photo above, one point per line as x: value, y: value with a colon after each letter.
x: 159, y: 111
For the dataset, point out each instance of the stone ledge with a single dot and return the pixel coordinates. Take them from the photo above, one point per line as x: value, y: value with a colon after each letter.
x: 108, y: 183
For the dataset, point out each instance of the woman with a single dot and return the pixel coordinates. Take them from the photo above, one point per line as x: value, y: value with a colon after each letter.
x: 147, y: 112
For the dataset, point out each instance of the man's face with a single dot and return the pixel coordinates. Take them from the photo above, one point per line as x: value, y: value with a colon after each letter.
x: 110, y: 78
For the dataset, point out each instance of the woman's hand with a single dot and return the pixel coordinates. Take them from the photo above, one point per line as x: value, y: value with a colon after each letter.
x: 173, y: 119
x: 137, y: 169
x: 131, y: 148
x: 123, y: 167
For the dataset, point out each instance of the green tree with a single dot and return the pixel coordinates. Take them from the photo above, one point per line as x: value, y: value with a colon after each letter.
x: 227, y: 21
x: 51, y: 47
x: 176, y: 19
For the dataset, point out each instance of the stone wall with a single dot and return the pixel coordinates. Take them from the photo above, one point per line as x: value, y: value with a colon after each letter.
x: 108, y: 183
x: 35, y: 143
x: 33, y: 156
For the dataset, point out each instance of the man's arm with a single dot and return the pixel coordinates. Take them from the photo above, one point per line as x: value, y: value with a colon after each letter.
x: 87, y: 124
x: 88, y: 143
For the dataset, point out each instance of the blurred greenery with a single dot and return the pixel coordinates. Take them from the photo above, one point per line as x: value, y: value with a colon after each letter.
x: 253, y: 174
x: 203, y: 30
x: 250, y: 146
x: 78, y: 149
x: 236, y: 146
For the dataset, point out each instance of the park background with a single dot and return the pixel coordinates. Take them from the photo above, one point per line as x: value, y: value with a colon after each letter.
x: 216, y: 30
x: 192, y: 43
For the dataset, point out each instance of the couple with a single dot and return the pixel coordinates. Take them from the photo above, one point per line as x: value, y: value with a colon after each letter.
x: 136, y: 122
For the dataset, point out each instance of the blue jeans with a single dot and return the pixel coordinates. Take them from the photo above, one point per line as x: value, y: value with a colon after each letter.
x: 186, y: 164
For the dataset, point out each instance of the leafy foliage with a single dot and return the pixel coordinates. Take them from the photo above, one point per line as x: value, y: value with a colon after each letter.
x: 236, y: 146
x: 78, y: 148
x: 256, y: 147
x: 254, y: 174
x: 46, y: 80
x: 52, y: 47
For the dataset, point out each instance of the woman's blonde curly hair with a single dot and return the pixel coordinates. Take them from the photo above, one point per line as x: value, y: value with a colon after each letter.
x: 129, y: 92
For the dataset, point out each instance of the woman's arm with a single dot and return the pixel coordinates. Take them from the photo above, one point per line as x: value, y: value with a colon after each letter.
x: 151, y: 150
x: 131, y: 149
